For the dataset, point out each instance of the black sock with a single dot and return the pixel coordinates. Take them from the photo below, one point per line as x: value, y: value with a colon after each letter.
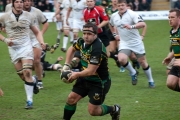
x: 69, y: 110
x: 112, y: 55
x: 106, y: 109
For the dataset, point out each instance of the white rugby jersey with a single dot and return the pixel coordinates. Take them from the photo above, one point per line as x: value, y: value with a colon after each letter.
x: 65, y: 5
x: 78, y: 8
x: 39, y: 18
x: 8, y: 7
x: 18, y: 29
x: 128, y: 37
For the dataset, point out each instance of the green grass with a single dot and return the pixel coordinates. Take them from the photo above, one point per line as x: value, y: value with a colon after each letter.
x: 160, y: 103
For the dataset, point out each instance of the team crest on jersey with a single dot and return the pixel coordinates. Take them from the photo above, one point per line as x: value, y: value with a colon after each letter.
x: 96, y: 96
x: 94, y: 59
x: 104, y: 13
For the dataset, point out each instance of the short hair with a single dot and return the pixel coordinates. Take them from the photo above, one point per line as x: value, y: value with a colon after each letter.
x: 122, y: 1
x: 14, y: 1
x: 175, y: 10
x: 89, y: 25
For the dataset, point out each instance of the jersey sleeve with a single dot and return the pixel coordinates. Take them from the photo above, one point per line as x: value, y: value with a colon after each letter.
x: 41, y: 18
x: 77, y: 44
x: 32, y: 20
x: 137, y: 18
x: 95, y: 55
x: 103, y: 14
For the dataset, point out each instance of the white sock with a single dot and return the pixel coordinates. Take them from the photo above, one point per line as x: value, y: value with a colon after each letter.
x: 71, y: 36
x: 59, y: 36
x: 65, y: 41
x: 131, y: 70
x: 149, y: 74
x: 29, y: 92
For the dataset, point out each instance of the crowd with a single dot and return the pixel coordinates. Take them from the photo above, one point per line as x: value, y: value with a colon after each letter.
x: 48, y: 5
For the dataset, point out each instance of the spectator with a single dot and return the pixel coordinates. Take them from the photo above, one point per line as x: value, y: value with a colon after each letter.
x: 136, y: 5
x: 144, y: 6
x: 1, y: 6
x: 48, y: 6
x: 41, y: 6
x: 177, y: 4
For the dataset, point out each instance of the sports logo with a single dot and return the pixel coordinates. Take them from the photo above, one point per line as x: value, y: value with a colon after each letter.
x: 94, y: 59
x: 96, y: 96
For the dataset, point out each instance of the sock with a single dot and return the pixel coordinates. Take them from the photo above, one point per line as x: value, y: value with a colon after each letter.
x: 69, y: 110
x: 65, y: 41
x: 71, y: 36
x: 40, y: 82
x: 106, y: 109
x: 129, y: 67
x: 112, y: 55
x: 148, y: 73
x: 58, y: 36
x: 29, y: 86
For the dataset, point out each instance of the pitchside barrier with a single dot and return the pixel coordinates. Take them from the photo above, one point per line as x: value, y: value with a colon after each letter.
x: 146, y: 15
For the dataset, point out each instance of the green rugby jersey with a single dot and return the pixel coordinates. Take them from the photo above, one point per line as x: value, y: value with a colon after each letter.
x: 109, y: 10
x: 95, y: 54
x: 175, y: 42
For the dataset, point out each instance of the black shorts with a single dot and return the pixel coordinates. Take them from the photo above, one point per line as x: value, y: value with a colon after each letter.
x: 104, y: 38
x: 47, y: 66
x: 111, y: 37
x: 175, y: 70
x: 95, y: 90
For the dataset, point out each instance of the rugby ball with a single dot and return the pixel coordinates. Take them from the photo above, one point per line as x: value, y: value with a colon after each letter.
x: 65, y: 75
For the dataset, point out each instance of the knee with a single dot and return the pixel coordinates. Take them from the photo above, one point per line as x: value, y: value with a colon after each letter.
x: 92, y: 112
x: 27, y: 73
x: 71, y: 100
x: 170, y: 84
x: 37, y: 62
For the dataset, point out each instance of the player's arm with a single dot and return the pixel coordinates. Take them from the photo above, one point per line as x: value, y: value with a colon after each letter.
x: 38, y: 35
x: 70, y: 54
x: 58, y: 4
x: 44, y: 27
x: 104, y: 17
x: 167, y: 60
x: 143, y: 31
x: 68, y: 14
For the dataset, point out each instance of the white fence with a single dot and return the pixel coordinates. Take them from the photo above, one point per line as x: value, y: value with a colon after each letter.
x: 146, y: 15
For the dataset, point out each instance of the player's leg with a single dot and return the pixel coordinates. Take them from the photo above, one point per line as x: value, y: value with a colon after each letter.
x: 59, y: 28
x: 97, y: 95
x: 37, y: 65
x: 147, y: 69
x: 173, y: 79
x: 66, y: 29
x: 134, y: 60
x: 123, y: 56
x: 78, y: 92
x: 1, y: 92
x: 71, y: 35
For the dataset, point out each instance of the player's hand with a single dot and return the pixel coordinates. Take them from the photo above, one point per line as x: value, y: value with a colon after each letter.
x: 166, y: 61
x: 1, y: 92
x: 117, y: 37
x: 43, y: 45
x: 60, y: 58
x: 127, y: 26
x: 73, y: 76
x: 176, y: 62
x: 8, y: 41
x: 66, y: 67
x: 67, y: 23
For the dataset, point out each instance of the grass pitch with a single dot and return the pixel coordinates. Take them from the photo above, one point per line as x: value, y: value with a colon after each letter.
x: 159, y: 103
